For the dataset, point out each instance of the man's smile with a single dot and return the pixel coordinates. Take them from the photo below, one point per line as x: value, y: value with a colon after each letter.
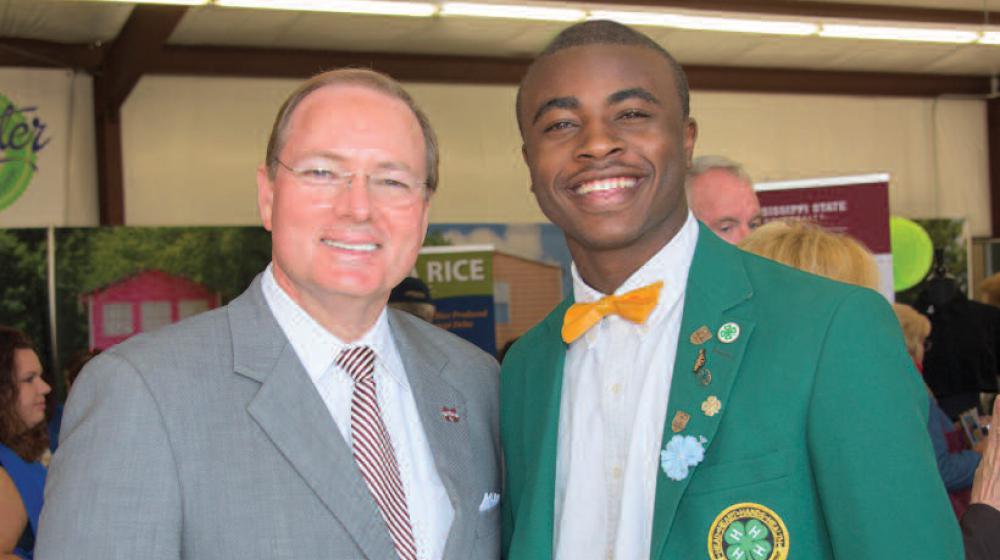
x: 604, y: 185
x: 346, y: 246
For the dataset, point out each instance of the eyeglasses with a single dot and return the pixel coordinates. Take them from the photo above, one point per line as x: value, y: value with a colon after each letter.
x: 389, y: 187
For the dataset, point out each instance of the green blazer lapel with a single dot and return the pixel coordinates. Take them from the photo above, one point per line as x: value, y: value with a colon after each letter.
x: 539, y: 422
x: 717, y: 287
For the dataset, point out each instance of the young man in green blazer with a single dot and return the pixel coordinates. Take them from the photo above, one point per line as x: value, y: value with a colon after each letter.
x: 717, y: 405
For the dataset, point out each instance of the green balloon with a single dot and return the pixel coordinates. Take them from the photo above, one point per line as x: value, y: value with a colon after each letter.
x: 912, y: 253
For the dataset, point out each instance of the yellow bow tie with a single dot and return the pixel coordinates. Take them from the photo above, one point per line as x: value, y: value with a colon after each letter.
x: 634, y: 306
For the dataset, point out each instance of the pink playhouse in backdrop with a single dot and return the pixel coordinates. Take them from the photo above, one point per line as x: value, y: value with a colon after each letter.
x: 141, y: 303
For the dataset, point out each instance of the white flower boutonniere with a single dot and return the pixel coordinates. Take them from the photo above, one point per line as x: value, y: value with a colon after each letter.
x: 680, y: 454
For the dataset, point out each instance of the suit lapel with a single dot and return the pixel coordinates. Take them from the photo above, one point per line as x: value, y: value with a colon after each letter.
x: 292, y: 414
x: 449, y: 440
x: 717, y: 286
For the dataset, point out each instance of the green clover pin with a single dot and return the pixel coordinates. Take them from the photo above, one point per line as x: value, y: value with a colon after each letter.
x: 747, y: 541
x: 729, y: 332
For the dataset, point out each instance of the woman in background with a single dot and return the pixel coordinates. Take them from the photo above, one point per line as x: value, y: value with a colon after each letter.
x: 957, y: 466
x: 989, y: 290
x: 809, y: 247
x: 23, y: 443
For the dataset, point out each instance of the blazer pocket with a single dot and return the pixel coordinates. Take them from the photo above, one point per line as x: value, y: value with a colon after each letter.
x: 743, y: 472
x: 488, y: 522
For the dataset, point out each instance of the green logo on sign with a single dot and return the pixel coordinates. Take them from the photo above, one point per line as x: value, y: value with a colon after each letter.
x: 20, y: 141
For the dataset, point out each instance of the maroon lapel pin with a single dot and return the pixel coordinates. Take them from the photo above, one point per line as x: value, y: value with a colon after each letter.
x: 450, y: 414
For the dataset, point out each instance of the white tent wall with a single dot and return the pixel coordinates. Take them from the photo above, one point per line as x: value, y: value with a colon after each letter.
x: 204, y: 138
x: 192, y: 144
x: 200, y: 139
x: 933, y: 149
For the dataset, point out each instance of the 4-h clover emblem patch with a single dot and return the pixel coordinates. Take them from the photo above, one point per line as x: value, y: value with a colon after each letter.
x: 748, y: 531
x: 729, y: 332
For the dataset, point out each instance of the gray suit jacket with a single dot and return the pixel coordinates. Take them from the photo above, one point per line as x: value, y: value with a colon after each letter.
x: 208, y: 440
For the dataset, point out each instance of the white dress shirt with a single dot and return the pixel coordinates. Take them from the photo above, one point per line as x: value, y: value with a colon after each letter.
x: 430, y: 508
x: 616, y: 384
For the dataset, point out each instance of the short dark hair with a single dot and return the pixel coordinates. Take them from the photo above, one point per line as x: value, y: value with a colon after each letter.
x: 362, y: 77
x: 605, y: 32
x: 80, y: 359
x: 29, y: 442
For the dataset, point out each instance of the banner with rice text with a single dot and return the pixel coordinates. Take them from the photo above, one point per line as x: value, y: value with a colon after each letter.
x: 461, y: 282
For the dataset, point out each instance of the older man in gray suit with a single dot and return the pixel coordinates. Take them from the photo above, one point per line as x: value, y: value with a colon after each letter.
x: 304, y: 420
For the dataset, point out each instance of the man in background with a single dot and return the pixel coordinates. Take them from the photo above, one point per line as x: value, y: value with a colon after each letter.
x: 720, y: 194
x: 413, y: 296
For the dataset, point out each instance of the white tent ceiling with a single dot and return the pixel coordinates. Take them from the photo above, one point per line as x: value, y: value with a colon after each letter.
x: 81, y: 22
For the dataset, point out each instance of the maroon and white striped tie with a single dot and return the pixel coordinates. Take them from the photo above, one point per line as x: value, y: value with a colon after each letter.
x: 373, y: 449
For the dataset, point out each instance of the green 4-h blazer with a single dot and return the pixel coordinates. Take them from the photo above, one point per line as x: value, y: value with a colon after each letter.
x: 820, y: 449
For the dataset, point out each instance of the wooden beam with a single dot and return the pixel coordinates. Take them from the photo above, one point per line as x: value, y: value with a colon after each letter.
x: 785, y: 80
x: 110, y: 179
x: 290, y: 63
x: 46, y: 54
x: 993, y: 157
x: 279, y: 63
x: 839, y: 10
x: 273, y: 63
x: 143, y: 36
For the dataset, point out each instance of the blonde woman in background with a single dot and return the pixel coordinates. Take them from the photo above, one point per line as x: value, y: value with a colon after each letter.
x: 956, y: 468
x: 989, y: 290
x: 809, y: 247
x: 916, y: 329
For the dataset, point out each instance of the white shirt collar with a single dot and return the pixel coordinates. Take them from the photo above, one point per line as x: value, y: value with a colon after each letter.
x: 670, y: 264
x: 316, y: 347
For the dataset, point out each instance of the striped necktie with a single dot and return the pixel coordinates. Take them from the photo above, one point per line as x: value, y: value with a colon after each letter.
x: 373, y: 449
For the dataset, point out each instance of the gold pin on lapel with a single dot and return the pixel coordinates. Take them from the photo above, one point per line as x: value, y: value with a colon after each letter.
x: 705, y: 377
x: 680, y: 421
x: 701, y: 335
x: 699, y: 362
x: 711, y: 406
